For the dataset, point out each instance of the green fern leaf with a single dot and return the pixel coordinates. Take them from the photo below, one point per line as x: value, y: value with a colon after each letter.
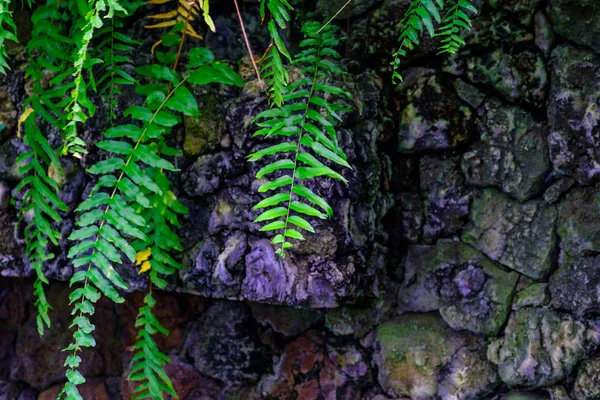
x: 301, y: 116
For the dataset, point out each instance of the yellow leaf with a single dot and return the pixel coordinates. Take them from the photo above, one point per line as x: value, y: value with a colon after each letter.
x: 154, y: 46
x: 145, y: 267
x: 158, y: 1
x: 210, y: 22
x: 167, y: 15
x: 23, y: 118
x: 142, y: 255
x: 162, y: 24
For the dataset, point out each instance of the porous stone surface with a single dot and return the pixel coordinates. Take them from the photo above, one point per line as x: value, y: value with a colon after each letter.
x: 541, y: 347
x: 519, y: 236
x: 462, y: 258
x: 513, y: 154
x: 412, y: 351
x: 470, y: 291
x: 573, y: 114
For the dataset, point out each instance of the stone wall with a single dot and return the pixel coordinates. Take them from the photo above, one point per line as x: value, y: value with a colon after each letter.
x: 463, y: 260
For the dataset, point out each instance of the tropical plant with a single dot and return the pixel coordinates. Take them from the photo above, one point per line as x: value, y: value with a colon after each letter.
x: 79, y: 57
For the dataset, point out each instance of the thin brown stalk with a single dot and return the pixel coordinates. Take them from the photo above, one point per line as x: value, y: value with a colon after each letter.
x: 334, y: 16
x: 237, y: 8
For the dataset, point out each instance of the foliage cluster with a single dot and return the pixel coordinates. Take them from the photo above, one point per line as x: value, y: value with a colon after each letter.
x: 79, y: 53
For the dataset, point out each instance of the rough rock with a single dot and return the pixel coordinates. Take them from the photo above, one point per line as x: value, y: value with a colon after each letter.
x: 587, y: 385
x: 519, y: 236
x: 224, y: 344
x: 523, y: 9
x: 518, y: 77
x: 512, y: 155
x: 411, y: 352
x: 187, y: 383
x: 524, y: 396
x: 204, y: 132
x: 470, y: 291
x: 534, y: 295
x: 445, y: 197
x: 39, y: 359
x: 542, y: 347
x: 311, y: 367
x: 557, y: 189
x: 288, y: 321
x: 574, y: 114
x: 575, y: 286
x: 468, y: 375
x: 544, y: 34
x: 431, y: 115
x: 577, y: 20
x: 578, y: 225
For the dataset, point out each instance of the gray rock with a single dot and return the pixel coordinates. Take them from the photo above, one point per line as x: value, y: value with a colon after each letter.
x: 413, y: 353
x: 577, y: 20
x: 519, y: 236
x: 518, y: 77
x: 445, y: 197
x: 587, y: 385
x: 541, y: 347
x: 468, y: 375
x: 524, y: 396
x: 544, y: 34
x: 469, y: 93
x: 535, y: 295
x: 575, y: 286
x: 470, y: 291
x: 432, y: 117
x: 557, y: 189
x: 574, y: 115
x: 512, y: 155
x: 578, y: 225
x: 224, y: 344
x: 523, y: 9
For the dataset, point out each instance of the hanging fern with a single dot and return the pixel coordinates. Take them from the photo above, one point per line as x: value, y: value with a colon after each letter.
x: 38, y: 209
x: 49, y: 51
x: 8, y: 31
x: 78, y: 104
x: 454, y: 21
x: 153, y: 257
x: 423, y: 15
x: 420, y: 15
x: 105, y: 219
x: 272, y: 69
x: 301, y: 116
x: 114, y: 50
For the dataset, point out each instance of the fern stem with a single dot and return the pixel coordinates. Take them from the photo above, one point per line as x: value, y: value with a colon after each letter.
x: 101, y: 224
x: 300, y: 135
x: 237, y: 8
x: 334, y: 16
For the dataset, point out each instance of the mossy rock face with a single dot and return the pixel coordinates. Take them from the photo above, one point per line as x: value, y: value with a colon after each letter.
x: 519, y: 236
x: 470, y: 291
x: 412, y: 350
x: 578, y: 225
x: 577, y: 20
x: 204, y: 132
x: 574, y: 114
x: 541, y: 347
x: 587, y: 385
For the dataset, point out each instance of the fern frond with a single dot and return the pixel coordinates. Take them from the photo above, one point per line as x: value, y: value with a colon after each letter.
x: 420, y: 16
x: 39, y: 204
x: 79, y: 103
x: 454, y: 21
x: 49, y: 54
x: 113, y: 50
x: 8, y: 31
x: 272, y: 69
x: 105, y: 219
x: 153, y: 257
x: 302, y: 116
x: 185, y: 13
x: 148, y: 361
